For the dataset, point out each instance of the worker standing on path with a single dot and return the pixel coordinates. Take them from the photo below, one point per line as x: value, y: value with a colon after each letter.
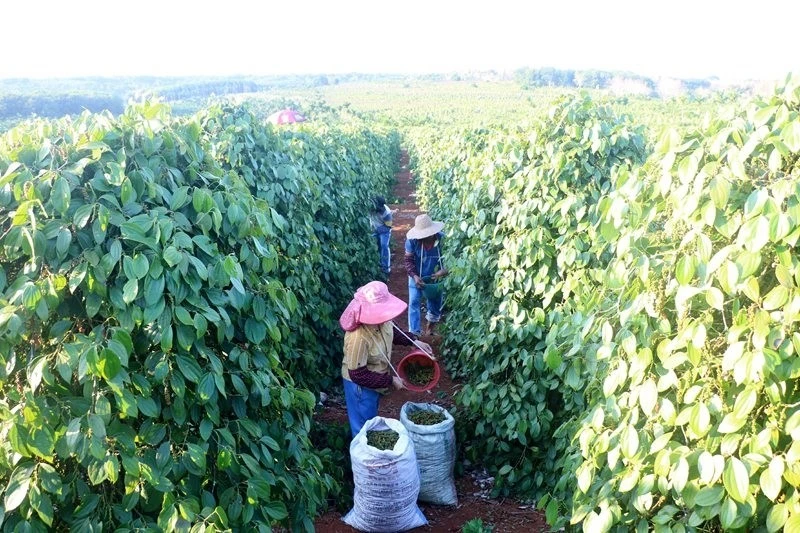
x: 381, y: 218
x: 423, y: 262
x: 368, y: 339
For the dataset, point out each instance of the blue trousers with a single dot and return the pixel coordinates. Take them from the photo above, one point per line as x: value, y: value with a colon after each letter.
x: 362, y: 404
x: 383, y: 250
x: 434, y: 306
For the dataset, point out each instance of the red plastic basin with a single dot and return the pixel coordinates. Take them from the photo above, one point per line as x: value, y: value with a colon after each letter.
x: 418, y: 357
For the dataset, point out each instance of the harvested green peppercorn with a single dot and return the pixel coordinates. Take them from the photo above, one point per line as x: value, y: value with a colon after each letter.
x: 383, y: 440
x: 424, y: 417
x: 419, y: 375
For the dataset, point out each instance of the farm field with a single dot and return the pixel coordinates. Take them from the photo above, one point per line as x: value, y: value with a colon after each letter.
x: 620, y: 342
x: 485, y: 103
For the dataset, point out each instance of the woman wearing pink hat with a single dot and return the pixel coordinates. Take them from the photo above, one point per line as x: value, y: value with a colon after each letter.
x: 368, y: 339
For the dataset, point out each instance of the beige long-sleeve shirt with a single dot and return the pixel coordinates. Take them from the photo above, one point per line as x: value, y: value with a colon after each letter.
x: 368, y: 346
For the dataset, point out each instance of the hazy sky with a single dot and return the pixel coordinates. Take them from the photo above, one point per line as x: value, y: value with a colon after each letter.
x: 685, y: 38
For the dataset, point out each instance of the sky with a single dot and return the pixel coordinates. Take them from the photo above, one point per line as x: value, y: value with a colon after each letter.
x: 731, y: 39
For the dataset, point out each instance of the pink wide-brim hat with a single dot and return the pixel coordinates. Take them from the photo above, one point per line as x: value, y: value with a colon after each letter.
x: 372, y: 304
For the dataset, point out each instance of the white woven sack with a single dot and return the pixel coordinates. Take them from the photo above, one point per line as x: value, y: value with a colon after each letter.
x: 435, y: 447
x: 386, y: 482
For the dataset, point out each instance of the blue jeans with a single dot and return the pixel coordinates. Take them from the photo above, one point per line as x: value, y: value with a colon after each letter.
x: 383, y: 250
x: 415, y: 297
x: 362, y: 404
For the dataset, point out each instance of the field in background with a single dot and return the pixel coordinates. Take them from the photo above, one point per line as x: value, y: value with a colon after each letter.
x: 476, y: 104
x: 417, y: 102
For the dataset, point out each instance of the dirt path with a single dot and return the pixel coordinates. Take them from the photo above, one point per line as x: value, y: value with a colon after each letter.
x: 506, y: 516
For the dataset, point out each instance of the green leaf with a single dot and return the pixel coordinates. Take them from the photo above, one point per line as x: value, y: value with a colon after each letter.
x: 728, y: 513
x: 771, y: 478
x: 777, y: 517
x: 754, y: 234
x: 166, y: 339
x: 63, y: 241
x: 779, y: 227
x: 82, y: 215
x: 73, y: 435
x: 49, y: 478
x: 197, y: 455
x: 774, y: 161
x: 206, y: 427
x: 648, y: 397
x: 189, y: 368
x: 552, y: 357
x: 42, y: 442
x: 792, y: 523
x: 202, y: 201
x: 31, y: 296
x: 183, y: 316
x: 751, y: 289
x: 153, y: 290
x: 130, y: 291
x: 700, y: 420
x: 41, y: 504
x: 755, y: 203
x: 585, y: 475
x: 745, y: 402
x: 736, y: 479
x: 790, y: 135
x: 17, y: 488
x: 96, y: 472
x: 714, y: 298
x: 708, y: 496
x: 140, y: 266
x: 728, y: 277
x: 629, y: 441
x: 720, y: 190
x: 127, y: 404
x: 679, y: 475
x: 731, y: 424
x: 275, y: 510
x: 706, y: 468
x: 127, y: 194
x: 172, y: 256
x: 108, y: 364
x: 77, y: 276
x: 111, y: 468
x: 748, y: 263
x: 148, y: 407
x: 776, y: 298
x: 551, y: 511
x: 685, y: 270
x: 224, y: 459
x: 200, y: 325
x: 60, y: 195
x: 255, y: 330
x: 206, y: 389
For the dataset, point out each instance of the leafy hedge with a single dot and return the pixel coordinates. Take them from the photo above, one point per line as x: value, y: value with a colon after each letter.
x: 521, y: 237
x: 692, y: 416
x: 167, y: 295
x: 661, y: 315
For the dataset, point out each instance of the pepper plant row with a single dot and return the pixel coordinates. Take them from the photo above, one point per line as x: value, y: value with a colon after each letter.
x: 168, y: 292
x: 633, y: 361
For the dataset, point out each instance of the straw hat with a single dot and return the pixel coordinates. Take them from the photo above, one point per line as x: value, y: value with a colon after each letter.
x: 424, y: 227
x: 371, y: 304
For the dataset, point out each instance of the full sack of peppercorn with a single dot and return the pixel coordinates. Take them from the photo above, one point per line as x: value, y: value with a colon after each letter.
x: 431, y: 428
x: 386, y: 479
